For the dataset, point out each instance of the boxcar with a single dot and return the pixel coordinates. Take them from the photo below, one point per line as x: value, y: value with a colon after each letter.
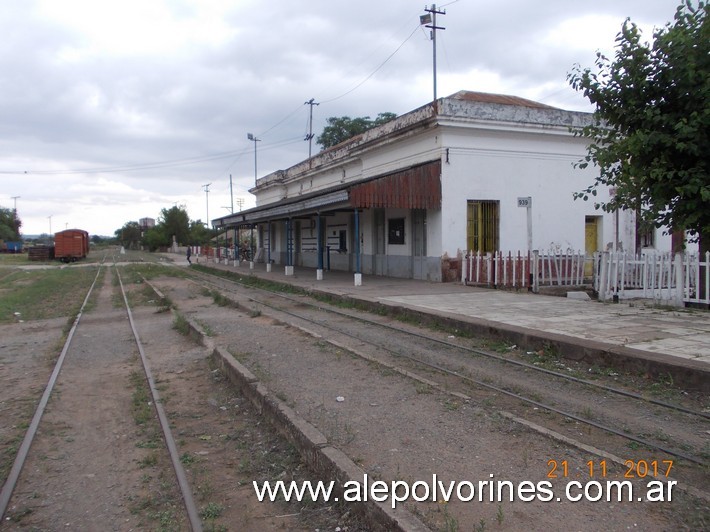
x: 71, y: 245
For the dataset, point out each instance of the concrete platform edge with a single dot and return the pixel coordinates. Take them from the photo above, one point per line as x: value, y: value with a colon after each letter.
x: 694, y: 375
x: 313, y: 447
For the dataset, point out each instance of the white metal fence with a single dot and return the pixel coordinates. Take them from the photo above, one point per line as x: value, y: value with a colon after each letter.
x: 525, y: 269
x: 670, y: 278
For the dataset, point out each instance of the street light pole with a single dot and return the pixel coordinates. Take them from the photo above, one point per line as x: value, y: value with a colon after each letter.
x: 207, y: 201
x: 429, y: 21
x: 254, y: 140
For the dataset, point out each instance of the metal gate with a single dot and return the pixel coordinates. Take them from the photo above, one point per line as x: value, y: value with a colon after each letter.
x: 482, y: 226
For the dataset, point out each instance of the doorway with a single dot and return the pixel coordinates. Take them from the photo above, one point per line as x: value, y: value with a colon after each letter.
x: 592, y: 230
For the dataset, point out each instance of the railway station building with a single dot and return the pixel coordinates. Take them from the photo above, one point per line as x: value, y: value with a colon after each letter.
x: 468, y: 172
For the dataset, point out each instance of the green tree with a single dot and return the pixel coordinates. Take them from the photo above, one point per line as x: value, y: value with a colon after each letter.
x: 129, y: 236
x: 174, y: 222
x: 9, y: 225
x: 651, y: 122
x: 199, y: 233
x: 342, y: 128
x: 155, y: 238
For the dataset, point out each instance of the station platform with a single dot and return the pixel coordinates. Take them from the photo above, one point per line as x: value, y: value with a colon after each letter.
x: 630, y: 335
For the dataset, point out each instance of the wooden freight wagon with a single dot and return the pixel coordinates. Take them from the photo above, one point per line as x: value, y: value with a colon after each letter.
x: 71, y: 245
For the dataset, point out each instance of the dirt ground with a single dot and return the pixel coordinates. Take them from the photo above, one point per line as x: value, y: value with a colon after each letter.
x: 98, y: 461
x: 399, y: 429
x: 94, y: 466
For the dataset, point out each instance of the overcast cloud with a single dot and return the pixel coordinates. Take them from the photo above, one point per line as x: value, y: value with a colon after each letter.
x: 111, y: 111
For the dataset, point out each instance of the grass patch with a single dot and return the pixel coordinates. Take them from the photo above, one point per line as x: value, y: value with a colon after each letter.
x: 211, y: 511
x: 44, y: 294
x: 141, y: 401
x: 181, y: 325
x: 148, y: 461
x: 135, y: 273
x: 251, y: 280
x: 222, y: 300
x: 15, y: 259
x: 187, y: 459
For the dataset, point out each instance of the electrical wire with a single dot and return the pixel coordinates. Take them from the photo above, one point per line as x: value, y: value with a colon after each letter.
x: 300, y: 107
x: 374, y: 71
x: 112, y: 169
x: 195, y: 160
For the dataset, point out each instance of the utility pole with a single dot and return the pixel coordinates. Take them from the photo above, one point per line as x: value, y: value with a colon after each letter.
x: 309, y: 137
x: 254, y: 140
x: 240, y: 202
x: 207, y: 199
x: 231, y: 194
x: 50, y: 225
x: 429, y: 21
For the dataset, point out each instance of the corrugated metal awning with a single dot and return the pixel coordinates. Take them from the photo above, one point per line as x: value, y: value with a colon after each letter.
x: 418, y: 187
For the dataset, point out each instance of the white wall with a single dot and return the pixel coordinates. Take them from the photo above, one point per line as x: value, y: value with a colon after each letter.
x: 505, y: 165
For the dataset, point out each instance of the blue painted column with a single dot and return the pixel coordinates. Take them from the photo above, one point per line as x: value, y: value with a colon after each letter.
x: 268, y: 248
x: 358, y: 274
x: 319, y: 246
x: 251, y: 251
x: 289, y: 247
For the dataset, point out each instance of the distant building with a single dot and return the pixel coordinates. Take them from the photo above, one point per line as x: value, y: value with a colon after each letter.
x: 146, y: 223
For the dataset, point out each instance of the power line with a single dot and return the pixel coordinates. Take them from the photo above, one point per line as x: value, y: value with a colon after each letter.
x: 281, y: 121
x: 113, y: 169
x: 374, y: 71
x: 225, y: 155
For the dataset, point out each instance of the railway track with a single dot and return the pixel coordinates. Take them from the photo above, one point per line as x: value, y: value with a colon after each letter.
x: 616, y: 420
x: 79, y: 375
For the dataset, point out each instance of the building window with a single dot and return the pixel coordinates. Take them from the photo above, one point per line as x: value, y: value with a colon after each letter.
x: 482, y: 225
x: 395, y: 234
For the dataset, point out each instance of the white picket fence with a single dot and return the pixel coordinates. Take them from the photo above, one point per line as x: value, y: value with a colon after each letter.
x: 664, y: 277
x: 524, y: 269
x: 673, y: 279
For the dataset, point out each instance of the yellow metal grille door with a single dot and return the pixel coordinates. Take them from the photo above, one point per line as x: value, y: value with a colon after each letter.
x: 482, y: 224
x: 591, y: 242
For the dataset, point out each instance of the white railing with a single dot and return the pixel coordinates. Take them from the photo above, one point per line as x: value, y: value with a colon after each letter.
x: 697, y: 275
x: 673, y: 279
x: 525, y: 269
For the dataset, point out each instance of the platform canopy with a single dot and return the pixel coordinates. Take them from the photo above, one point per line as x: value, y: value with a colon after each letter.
x: 416, y: 187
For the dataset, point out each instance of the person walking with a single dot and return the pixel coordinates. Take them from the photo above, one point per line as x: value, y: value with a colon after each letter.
x: 189, y: 254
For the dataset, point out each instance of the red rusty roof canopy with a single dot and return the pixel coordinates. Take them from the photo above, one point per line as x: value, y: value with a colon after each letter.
x: 418, y: 187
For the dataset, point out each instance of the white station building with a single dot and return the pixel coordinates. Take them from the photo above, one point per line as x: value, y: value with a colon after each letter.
x: 468, y: 172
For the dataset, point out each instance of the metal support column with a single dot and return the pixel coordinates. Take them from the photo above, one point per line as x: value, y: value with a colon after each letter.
x: 358, y: 274
x: 319, y: 246
x: 235, y: 247
x: 289, y: 247
x: 268, y: 248
x: 251, y: 247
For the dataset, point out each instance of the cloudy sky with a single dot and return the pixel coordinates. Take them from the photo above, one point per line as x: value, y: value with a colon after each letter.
x: 113, y: 110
